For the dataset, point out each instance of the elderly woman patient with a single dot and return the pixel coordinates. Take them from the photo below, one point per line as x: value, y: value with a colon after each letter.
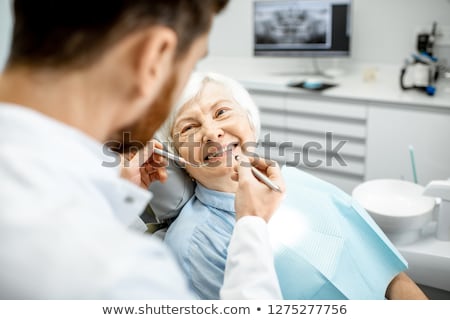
x: 325, y: 245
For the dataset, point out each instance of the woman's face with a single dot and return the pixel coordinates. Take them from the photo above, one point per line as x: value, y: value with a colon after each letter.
x: 212, y: 129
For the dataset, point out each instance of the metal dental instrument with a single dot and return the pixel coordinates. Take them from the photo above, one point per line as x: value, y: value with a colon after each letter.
x: 266, y: 180
x: 174, y: 157
x: 261, y: 176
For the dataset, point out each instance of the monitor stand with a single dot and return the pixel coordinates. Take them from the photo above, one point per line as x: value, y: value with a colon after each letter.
x: 316, y: 72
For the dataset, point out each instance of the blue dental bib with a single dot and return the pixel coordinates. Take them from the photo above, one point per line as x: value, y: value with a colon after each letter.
x: 326, y: 246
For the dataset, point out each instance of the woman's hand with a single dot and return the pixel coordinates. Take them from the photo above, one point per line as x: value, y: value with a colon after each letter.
x: 144, y: 167
x: 402, y: 287
x: 254, y: 198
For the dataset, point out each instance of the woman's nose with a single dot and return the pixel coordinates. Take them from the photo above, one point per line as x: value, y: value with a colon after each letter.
x: 212, y: 132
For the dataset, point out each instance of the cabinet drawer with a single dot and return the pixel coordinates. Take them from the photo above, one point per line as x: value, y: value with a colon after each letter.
x: 269, y: 153
x: 272, y: 135
x: 268, y: 100
x: 305, y: 123
x: 322, y: 161
x: 326, y: 108
x: 350, y: 147
x: 273, y: 119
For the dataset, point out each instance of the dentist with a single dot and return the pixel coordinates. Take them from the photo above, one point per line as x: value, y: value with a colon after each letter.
x: 79, y: 74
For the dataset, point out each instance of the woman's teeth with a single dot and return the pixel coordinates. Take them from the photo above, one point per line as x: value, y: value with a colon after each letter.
x: 221, y: 152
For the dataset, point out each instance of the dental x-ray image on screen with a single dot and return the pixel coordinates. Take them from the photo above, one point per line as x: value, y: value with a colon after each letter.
x: 302, y: 27
x: 299, y: 24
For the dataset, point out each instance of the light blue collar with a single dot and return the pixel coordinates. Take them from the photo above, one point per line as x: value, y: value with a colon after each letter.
x: 217, y: 199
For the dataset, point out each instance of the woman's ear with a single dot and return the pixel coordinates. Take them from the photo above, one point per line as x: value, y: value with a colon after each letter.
x: 252, y: 125
x: 154, y: 59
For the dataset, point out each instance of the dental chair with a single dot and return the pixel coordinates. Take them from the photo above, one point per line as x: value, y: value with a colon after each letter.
x: 326, y: 249
x: 168, y: 200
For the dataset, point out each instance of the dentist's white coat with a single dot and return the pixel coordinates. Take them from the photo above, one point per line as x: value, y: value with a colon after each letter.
x: 67, y: 219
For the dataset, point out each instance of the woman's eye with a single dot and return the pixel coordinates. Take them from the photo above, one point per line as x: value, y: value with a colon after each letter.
x: 186, y: 128
x: 221, y: 112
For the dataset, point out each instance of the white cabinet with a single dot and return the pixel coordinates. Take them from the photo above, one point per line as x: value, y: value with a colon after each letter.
x: 325, y: 137
x: 392, y: 129
x: 372, y: 138
x: 273, y: 123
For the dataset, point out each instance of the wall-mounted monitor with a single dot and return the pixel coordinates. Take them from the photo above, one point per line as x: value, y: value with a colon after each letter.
x: 302, y: 28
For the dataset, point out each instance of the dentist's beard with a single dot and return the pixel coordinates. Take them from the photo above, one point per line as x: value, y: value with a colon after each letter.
x: 136, y: 135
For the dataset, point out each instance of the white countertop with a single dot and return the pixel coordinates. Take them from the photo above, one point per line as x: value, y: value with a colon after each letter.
x: 384, y: 87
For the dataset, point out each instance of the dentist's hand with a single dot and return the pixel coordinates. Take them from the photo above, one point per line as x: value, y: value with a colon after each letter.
x: 253, y: 198
x: 144, y: 167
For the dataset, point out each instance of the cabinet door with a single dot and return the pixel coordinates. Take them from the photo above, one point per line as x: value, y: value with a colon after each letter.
x: 390, y: 133
x: 336, y: 131
x: 273, y: 123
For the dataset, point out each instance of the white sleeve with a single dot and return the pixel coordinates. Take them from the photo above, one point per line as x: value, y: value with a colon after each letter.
x: 250, y: 271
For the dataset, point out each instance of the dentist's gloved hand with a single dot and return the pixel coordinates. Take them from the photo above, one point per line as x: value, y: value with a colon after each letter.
x: 254, y: 198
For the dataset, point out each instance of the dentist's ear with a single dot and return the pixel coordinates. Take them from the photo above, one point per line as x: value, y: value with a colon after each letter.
x: 155, y: 59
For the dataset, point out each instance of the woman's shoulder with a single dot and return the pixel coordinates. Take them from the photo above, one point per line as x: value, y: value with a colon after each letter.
x: 197, y: 239
x: 192, y: 218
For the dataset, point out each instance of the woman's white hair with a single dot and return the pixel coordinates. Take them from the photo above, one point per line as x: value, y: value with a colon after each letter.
x: 193, y: 88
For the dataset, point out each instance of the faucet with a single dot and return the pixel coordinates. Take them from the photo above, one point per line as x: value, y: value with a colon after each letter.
x: 441, y: 189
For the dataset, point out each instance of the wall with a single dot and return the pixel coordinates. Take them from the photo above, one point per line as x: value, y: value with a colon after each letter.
x: 383, y: 30
x: 5, y: 30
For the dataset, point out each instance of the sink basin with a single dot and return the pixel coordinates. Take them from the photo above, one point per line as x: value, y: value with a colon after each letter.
x: 397, y: 206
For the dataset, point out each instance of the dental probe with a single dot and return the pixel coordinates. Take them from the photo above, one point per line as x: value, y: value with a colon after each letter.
x: 174, y: 157
x: 261, y: 176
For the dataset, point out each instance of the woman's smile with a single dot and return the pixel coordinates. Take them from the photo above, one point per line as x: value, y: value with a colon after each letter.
x: 221, y: 153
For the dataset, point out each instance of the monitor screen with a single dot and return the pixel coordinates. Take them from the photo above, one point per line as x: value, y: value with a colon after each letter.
x: 302, y: 28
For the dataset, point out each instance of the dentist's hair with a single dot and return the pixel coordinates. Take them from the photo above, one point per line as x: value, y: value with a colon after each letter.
x: 193, y: 89
x: 76, y: 33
